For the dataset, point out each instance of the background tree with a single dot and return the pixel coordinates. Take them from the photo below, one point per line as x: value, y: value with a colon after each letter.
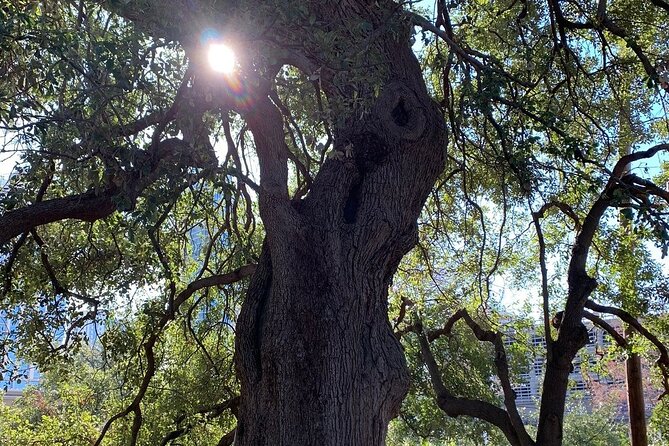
x: 124, y: 215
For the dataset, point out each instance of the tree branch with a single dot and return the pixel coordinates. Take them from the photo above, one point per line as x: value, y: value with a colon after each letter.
x: 169, y: 315
x: 97, y: 204
x: 46, y: 182
x: 228, y: 438
x: 661, y: 4
x: 564, y: 207
x: 424, y: 23
x: 210, y: 412
x: 89, y: 206
x: 620, y: 340
x: 266, y: 124
x: 663, y: 361
x: 544, y: 279
x: 455, y: 406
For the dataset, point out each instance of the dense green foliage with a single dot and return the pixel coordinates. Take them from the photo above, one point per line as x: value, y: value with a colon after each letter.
x: 540, y: 105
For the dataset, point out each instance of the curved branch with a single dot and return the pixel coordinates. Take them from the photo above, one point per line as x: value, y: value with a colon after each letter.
x: 502, y: 366
x: 620, y: 340
x: 631, y: 320
x: 572, y: 334
x: 210, y: 412
x: 424, y: 23
x: 58, y: 287
x: 455, y: 406
x: 97, y: 204
x: 592, y: 219
x: 564, y: 207
x: 544, y: 278
x: 621, y: 166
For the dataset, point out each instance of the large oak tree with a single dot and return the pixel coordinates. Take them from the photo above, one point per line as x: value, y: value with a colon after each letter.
x: 340, y: 135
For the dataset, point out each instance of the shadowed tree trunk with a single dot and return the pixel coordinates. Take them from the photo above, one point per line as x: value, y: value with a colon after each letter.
x: 317, y: 359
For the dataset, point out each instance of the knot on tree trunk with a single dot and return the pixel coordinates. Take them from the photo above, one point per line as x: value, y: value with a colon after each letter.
x: 401, y: 114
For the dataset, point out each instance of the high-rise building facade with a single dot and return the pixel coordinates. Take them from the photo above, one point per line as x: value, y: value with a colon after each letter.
x: 592, y: 382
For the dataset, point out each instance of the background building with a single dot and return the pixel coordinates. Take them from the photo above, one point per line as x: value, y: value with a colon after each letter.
x: 594, y: 380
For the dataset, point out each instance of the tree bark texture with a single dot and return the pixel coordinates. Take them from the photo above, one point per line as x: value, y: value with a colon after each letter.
x: 316, y: 356
x: 572, y: 334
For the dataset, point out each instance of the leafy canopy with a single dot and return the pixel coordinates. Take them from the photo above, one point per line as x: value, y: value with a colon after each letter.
x: 128, y: 297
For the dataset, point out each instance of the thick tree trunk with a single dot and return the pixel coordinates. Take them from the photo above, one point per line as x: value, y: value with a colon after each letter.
x: 316, y: 357
x: 320, y: 366
x: 551, y: 413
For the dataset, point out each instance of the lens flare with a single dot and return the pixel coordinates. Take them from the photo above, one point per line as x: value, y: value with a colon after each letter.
x: 221, y: 58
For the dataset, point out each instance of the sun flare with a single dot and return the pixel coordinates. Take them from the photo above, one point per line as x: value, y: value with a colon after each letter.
x: 221, y: 58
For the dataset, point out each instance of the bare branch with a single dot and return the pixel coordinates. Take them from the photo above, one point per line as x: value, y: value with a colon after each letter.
x: 424, y: 23
x: 544, y: 279
x: 621, y: 166
x: 564, y: 207
x: 210, y: 412
x: 502, y: 366
x: 455, y: 406
x: 620, y: 340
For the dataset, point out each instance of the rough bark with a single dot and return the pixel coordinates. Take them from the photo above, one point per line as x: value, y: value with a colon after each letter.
x: 316, y: 356
x: 572, y: 334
